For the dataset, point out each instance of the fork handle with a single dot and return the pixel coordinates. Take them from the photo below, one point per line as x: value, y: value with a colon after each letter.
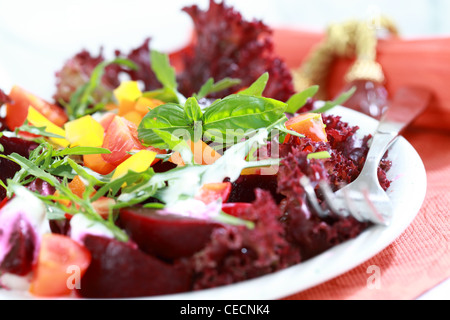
x: 407, y: 104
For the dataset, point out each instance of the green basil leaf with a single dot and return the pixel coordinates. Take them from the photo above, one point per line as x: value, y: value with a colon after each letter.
x: 237, y: 115
x: 176, y: 144
x: 299, y: 99
x: 257, y: 88
x: 168, y: 117
x: 192, y: 110
x: 165, y: 73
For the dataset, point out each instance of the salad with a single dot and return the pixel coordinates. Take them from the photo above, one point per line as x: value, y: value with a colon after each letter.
x: 157, y: 173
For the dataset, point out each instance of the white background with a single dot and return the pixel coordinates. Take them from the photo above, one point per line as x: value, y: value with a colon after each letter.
x: 36, y: 37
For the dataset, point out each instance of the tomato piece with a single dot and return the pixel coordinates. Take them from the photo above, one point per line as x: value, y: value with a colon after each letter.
x: 210, y: 192
x: 309, y: 124
x: 106, y: 119
x: 60, y: 261
x: 236, y: 209
x: 120, y: 139
x: 102, y: 205
x: 17, y: 110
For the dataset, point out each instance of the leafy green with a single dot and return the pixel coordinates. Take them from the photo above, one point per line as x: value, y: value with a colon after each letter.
x: 338, y: 101
x: 192, y: 110
x: 40, y: 131
x: 319, y: 155
x: 235, y: 116
x: 299, y: 99
x: 82, y: 102
x: 169, y: 117
x: 212, y: 87
x: 166, y: 75
x: 257, y: 87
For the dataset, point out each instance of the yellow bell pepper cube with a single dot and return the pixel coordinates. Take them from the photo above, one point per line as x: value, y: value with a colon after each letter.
x: 127, y: 90
x: 37, y: 119
x: 138, y: 162
x: 126, y: 95
x: 85, y: 131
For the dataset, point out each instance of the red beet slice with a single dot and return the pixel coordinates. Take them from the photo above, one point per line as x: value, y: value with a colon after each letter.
x: 22, y: 240
x: 166, y: 236
x: 118, y: 270
x: 243, y: 189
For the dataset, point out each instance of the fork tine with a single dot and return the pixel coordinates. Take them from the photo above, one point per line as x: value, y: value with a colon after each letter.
x: 331, y: 199
x: 311, y: 195
x: 350, y: 203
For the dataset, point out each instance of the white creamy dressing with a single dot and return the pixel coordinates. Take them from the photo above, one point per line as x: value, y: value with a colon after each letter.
x: 194, y: 208
x: 26, y: 207
x: 81, y: 225
x: 190, y: 179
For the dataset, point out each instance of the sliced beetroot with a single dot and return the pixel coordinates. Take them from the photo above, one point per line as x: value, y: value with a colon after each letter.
x: 118, y: 270
x: 9, y: 168
x: 166, y: 236
x: 20, y: 243
x: 243, y: 189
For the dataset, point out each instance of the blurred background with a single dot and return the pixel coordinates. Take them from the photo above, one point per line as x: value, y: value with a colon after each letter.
x: 36, y: 37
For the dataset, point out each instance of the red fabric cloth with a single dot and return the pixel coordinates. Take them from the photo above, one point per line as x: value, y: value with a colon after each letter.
x: 418, y: 259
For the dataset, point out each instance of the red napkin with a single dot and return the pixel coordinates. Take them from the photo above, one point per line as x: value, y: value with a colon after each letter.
x: 418, y: 259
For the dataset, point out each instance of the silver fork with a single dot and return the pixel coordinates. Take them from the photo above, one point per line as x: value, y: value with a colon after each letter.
x: 364, y: 198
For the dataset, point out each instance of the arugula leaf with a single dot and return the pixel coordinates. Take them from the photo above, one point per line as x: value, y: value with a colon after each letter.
x: 299, y: 99
x: 82, y: 101
x: 338, y: 101
x: 211, y: 87
x: 229, y: 219
x: 257, y: 88
x: 319, y: 155
x: 32, y: 169
x: 40, y: 131
x: 80, y: 151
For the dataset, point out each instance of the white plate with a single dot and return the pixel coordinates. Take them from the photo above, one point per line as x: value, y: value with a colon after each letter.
x: 407, y: 193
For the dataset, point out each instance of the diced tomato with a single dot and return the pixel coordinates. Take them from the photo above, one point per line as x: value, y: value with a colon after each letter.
x: 210, y: 192
x: 61, y: 264
x: 102, y: 205
x: 120, y: 139
x: 308, y: 124
x: 236, y: 208
x: 17, y: 110
x: 106, y: 119
x: 4, y: 202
